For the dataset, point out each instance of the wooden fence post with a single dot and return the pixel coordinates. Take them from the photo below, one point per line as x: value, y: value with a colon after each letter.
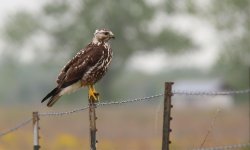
x: 249, y: 102
x: 167, y: 115
x: 36, y: 131
x: 92, y: 121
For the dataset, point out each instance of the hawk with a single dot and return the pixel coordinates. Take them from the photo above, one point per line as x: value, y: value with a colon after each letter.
x: 86, y: 68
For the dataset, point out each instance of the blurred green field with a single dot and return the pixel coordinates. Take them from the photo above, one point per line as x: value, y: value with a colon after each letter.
x: 127, y: 127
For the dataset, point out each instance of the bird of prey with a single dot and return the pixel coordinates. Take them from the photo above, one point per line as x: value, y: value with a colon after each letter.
x: 87, y: 67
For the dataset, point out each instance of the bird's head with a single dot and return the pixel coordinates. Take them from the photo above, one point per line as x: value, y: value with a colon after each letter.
x: 103, y: 35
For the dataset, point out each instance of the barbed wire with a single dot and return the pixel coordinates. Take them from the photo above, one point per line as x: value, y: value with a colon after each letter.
x: 20, y: 125
x: 227, y: 147
x: 63, y: 113
x: 210, y: 93
x: 148, y: 98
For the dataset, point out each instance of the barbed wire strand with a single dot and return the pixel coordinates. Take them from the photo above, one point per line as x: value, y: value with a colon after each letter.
x: 148, y: 98
x: 63, y: 113
x: 210, y: 93
x: 20, y: 125
x: 226, y: 147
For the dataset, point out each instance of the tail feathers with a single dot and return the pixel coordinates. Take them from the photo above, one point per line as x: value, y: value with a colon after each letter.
x: 52, y: 93
x: 53, y: 100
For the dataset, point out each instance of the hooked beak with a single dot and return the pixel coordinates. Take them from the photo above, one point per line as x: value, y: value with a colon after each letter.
x: 112, y: 36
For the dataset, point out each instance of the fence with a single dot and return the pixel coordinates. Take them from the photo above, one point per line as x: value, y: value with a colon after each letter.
x: 166, y: 116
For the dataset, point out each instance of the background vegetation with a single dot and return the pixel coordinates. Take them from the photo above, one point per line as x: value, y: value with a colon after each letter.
x: 37, y: 44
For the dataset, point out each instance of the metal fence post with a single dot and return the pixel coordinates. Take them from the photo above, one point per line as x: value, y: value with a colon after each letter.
x: 36, y: 131
x: 167, y: 115
x: 92, y: 121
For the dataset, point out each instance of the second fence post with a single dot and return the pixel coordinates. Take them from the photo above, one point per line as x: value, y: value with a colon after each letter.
x: 167, y: 115
x: 92, y: 121
x: 36, y: 131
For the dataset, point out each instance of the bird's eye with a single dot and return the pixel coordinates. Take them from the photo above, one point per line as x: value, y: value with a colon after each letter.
x: 106, y: 33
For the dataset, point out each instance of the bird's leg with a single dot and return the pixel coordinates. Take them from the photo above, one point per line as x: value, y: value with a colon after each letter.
x: 93, y: 94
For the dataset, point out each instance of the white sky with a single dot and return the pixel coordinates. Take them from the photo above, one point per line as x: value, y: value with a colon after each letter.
x: 8, y: 7
x: 11, y: 6
x: 200, y: 31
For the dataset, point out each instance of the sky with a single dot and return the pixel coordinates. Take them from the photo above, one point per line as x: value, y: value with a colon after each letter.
x: 202, y: 33
x: 13, y: 6
x: 9, y: 7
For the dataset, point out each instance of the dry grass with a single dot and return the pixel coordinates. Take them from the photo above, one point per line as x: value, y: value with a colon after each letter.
x: 129, y: 127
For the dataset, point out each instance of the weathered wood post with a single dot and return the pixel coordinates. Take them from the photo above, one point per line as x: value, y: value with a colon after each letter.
x: 92, y: 121
x: 249, y: 101
x: 167, y: 115
x: 36, y: 130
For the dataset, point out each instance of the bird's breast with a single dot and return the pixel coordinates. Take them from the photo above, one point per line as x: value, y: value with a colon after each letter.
x: 96, y: 72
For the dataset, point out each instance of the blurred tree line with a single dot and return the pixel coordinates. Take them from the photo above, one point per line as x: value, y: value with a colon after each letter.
x: 233, y: 22
x: 50, y: 37
x: 231, y: 18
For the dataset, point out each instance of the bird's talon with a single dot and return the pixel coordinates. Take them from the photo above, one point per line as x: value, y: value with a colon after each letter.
x: 96, y: 94
x: 93, y: 95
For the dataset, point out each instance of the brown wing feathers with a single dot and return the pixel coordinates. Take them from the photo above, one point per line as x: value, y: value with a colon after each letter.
x: 74, y: 70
